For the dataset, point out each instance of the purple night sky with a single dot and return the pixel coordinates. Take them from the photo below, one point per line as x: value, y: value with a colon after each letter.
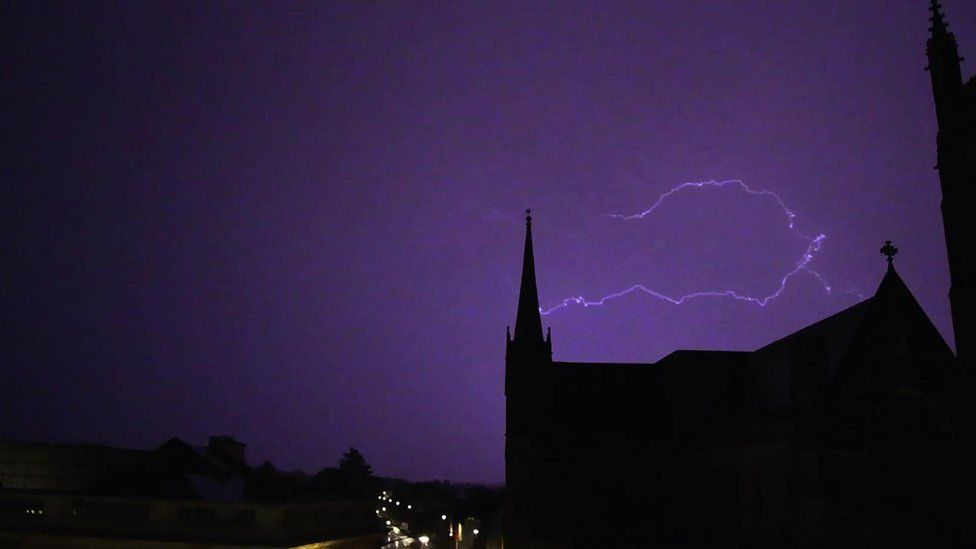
x: 301, y: 224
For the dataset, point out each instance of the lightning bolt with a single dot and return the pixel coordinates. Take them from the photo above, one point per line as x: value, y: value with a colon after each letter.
x: 802, y: 264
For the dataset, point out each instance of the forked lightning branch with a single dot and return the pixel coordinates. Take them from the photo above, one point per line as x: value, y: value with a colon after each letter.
x: 802, y: 264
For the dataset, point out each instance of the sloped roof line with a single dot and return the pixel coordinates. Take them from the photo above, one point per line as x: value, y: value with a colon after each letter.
x: 841, y: 329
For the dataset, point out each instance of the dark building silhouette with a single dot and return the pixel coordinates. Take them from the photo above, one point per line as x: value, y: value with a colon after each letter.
x: 955, y: 109
x: 855, y: 431
x: 176, y: 495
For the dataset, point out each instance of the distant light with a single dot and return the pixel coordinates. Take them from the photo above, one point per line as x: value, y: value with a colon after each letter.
x: 398, y: 503
x: 409, y: 506
x: 384, y: 509
x: 388, y: 523
x: 40, y: 511
x: 424, y: 539
x: 443, y: 517
x: 379, y: 497
x: 475, y: 531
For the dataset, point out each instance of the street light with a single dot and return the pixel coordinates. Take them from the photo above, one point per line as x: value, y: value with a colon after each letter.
x: 475, y: 531
x: 443, y: 517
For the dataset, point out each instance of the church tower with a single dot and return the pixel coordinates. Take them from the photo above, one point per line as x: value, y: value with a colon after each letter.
x: 955, y: 108
x: 528, y: 361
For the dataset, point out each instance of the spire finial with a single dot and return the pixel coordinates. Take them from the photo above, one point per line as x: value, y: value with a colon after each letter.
x: 528, y: 217
x: 889, y: 251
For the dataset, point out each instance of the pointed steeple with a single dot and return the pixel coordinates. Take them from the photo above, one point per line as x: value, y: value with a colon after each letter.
x: 943, y: 52
x: 955, y: 111
x: 528, y: 322
x: 944, y: 67
x: 938, y: 22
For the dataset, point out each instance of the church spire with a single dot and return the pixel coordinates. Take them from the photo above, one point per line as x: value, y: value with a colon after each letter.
x: 938, y: 22
x: 944, y: 66
x: 528, y: 322
x: 955, y: 111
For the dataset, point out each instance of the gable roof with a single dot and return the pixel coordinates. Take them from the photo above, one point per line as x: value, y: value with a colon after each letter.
x: 890, y: 310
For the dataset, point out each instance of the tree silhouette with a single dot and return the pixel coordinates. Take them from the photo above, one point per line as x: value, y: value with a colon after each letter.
x: 356, y: 475
x: 354, y: 466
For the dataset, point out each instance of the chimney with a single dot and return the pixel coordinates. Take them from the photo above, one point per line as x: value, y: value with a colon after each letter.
x: 227, y: 447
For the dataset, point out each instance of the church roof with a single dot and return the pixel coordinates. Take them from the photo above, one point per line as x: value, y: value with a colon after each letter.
x: 714, y: 395
x: 891, y: 309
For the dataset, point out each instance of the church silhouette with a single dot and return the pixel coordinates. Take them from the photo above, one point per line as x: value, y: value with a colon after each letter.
x: 855, y: 431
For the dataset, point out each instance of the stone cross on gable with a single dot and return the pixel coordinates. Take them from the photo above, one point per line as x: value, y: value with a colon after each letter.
x: 889, y: 251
